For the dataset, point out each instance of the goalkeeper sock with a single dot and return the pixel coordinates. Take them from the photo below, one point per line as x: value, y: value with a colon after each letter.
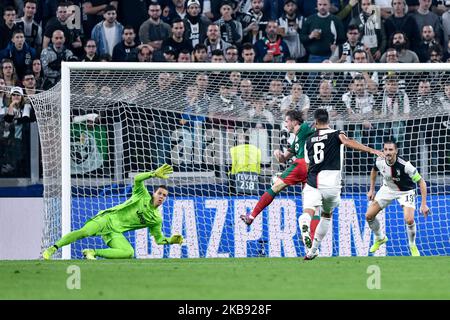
x: 89, y: 229
x: 263, y: 202
x: 374, y: 225
x: 411, y: 230
x: 114, y: 253
x: 321, y: 232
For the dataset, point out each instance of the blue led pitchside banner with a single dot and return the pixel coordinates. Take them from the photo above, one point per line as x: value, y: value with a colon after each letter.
x: 212, y: 228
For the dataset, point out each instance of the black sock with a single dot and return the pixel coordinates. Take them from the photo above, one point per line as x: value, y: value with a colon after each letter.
x: 56, y: 246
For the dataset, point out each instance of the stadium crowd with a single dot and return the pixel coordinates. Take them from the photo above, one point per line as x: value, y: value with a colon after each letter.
x: 37, y: 35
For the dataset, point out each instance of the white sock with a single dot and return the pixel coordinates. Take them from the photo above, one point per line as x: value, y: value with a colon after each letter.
x: 321, y: 232
x: 411, y: 230
x: 374, y: 225
x: 304, y: 221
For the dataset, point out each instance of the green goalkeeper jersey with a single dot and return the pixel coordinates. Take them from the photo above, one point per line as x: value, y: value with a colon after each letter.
x: 298, y: 145
x: 135, y: 213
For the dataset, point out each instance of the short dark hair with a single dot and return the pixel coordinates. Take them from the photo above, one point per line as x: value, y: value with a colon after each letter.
x: 247, y: 46
x: 321, y: 116
x: 128, y: 27
x: 16, y: 31
x: 295, y: 115
x: 29, y: 1
x: 390, y: 142
x: 162, y: 186
x: 217, y: 52
x: 176, y: 20
x: 200, y: 46
x: 110, y: 7
x: 352, y: 27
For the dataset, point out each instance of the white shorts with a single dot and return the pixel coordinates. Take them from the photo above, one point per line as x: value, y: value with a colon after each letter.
x: 385, y: 196
x: 328, y: 198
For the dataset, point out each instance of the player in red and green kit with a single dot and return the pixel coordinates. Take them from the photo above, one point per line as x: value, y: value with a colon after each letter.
x: 139, y: 211
x: 295, y: 174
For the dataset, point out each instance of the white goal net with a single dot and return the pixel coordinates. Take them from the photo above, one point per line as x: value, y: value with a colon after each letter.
x: 113, y: 121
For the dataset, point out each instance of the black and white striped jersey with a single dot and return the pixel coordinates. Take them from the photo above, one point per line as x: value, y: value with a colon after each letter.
x: 324, y: 152
x: 401, y: 176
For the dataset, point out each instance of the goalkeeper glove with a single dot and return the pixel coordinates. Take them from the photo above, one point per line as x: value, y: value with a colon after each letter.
x: 176, y: 239
x: 163, y: 171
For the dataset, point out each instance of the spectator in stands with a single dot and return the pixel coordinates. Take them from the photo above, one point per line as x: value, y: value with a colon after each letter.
x: 154, y: 31
x: 8, y: 26
x: 177, y: 10
x: 29, y: 83
x: 322, y: 32
x: 126, y: 50
x: 272, y: 47
x: 273, y: 9
x: 253, y: 22
x: 90, y: 51
x: 371, y: 29
x: 214, y: 40
x: 435, y: 53
x: 309, y: 7
x: 17, y: 118
x: 344, y: 52
x: 403, y: 78
x: 193, y: 117
x: 145, y: 53
x: 246, y: 92
x: 248, y: 54
x: 31, y: 29
x: 177, y: 40
x: 19, y: 52
x: 290, y: 27
x: 8, y: 73
x: 274, y: 96
x: 38, y: 74
x: 359, y: 102
x: 296, y: 100
x: 134, y: 12
x: 424, y: 17
x: 394, y: 102
x: 444, y: 98
x: 401, y: 21
x: 225, y: 107
x: 446, y: 26
x: 169, y: 55
x: 325, y: 99
x: 71, y: 35
x: 230, y: 29
x: 184, y: 56
x: 290, y: 78
x: 423, y: 100
x: 400, y: 42
x: 428, y: 41
x: 200, y: 53
x: 211, y: 9
x: 231, y: 54
x: 195, y: 24
x: 94, y: 11
x: 258, y: 112
x: 217, y: 56
x: 201, y: 81
x: 347, y: 9
x: 361, y: 56
x: 51, y: 58
x: 108, y: 32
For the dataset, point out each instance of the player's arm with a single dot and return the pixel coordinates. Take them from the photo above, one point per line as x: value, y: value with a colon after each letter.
x: 282, y: 157
x: 373, y: 179
x: 358, y: 146
x: 417, y: 178
x: 162, y: 173
x: 156, y: 232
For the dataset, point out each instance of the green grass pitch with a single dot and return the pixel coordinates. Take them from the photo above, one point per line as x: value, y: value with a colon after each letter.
x: 230, y: 279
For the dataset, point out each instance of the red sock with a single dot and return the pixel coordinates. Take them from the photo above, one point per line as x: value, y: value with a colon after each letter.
x: 265, y: 200
x: 313, y: 225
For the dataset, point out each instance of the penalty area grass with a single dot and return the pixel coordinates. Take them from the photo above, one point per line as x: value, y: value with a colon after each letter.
x: 229, y: 278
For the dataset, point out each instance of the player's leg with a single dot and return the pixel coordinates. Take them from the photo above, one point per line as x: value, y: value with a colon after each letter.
x: 265, y: 200
x: 382, y: 199
x: 119, y: 246
x: 331, y: 199
x: 407, y: 201
x: 91, y: 228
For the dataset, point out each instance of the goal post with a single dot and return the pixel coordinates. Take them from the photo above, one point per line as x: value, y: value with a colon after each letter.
x: 105, y: 122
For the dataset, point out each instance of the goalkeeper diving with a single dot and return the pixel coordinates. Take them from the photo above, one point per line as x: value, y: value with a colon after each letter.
x: 139, y: 211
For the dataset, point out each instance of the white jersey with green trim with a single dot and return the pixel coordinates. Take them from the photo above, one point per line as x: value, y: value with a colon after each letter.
x: 400, y: 176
